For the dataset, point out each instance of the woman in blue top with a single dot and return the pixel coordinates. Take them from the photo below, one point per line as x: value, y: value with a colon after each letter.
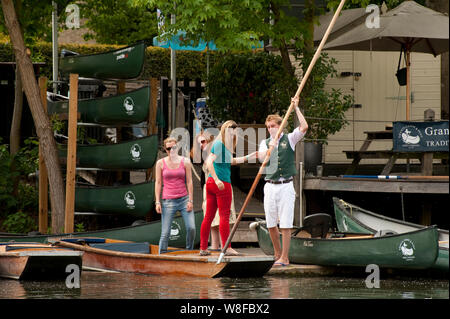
x: 218, y: 184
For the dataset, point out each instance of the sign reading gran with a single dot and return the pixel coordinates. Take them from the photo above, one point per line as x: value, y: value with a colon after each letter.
x: 420, y: 136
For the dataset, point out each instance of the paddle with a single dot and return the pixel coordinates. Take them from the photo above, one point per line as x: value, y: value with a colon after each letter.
x: 283, y: 124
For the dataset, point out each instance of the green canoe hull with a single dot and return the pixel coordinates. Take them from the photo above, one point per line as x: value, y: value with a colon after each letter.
x: 133, y: 199
x: 124, y: 63
x: 354, y: 219
x: 146, y: 232
x: 386, y: 252
x: 129, y: 108
x: 135, y: 154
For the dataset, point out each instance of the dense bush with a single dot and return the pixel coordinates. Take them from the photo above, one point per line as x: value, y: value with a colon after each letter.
x: 247, y: 87
x: 18, y: 196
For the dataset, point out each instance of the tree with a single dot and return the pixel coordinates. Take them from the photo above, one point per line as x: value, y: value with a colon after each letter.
x: 117, y: 21
x: 237, y: 25
x: 41, y: 120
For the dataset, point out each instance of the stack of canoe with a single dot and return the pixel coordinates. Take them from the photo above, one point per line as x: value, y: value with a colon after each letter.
x: 122, y: 109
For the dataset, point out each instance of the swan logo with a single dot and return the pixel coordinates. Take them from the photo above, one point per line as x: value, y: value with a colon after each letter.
x: 135, y: 152
x: 407, y: 249
x: 175, y: 231
x: 130, y: 199
x: 410, y: 135
x: 128, y: 104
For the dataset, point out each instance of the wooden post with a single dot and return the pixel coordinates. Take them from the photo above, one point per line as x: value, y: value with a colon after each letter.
x: 71, y: 155
x: 43, y: 174
x: 152, y: 112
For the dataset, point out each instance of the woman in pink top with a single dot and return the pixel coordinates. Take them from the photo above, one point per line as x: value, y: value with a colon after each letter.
x: 174, y: 177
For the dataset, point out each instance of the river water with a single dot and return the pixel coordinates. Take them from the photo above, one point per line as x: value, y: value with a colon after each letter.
x: 96, y: 285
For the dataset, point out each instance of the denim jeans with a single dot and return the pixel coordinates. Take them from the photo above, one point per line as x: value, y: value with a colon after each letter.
x: 169, y: 208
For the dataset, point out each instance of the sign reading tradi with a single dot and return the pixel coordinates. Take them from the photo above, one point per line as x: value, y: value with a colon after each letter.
x: 420, y: 136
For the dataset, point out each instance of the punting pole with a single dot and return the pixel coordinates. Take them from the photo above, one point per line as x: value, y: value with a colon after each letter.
x: 415, y: 177
x: 283, y: 124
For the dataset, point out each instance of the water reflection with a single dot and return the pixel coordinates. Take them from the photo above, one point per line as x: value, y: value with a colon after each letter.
x: 131, y: 286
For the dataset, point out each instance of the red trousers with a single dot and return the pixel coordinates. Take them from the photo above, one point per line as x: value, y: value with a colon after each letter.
x: 221, y: 199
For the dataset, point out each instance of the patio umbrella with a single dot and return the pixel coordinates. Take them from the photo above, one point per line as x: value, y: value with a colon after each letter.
x: 410, y: 26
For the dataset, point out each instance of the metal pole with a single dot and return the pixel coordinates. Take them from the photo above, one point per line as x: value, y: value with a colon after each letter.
x: 173, y: 75
x: 300, y: 223
x: 55, y: 46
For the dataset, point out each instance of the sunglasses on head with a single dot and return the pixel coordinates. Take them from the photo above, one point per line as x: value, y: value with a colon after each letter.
x: 233, y: 126
x: 203, y: 141
x: 171, y: 147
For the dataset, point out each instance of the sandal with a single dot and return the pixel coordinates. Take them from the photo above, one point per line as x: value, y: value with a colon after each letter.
x: 204, y: 253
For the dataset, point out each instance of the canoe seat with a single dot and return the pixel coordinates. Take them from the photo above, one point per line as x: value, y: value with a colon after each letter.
x: 137, y: 248
x: 317, y: 225
x: 384, y: 232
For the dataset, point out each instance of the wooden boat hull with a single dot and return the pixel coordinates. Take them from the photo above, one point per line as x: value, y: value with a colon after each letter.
x: 133, y: 199
x: 355, y: 219
x: 135, y: 154
x: 146, y: 232
x: 386, y: 252
x: 29, y: 263
x: 129, y: 108
x: 123, y: 63
x: 185, y: 263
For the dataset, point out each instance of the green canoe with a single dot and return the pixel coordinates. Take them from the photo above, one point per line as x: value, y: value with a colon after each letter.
x: 144, y: 232
x: 129, y: 108
x: 134, y: 154
x: 123, y: 63
x: 133, y: 199
x: 413, y: 250
x: 355, y: 219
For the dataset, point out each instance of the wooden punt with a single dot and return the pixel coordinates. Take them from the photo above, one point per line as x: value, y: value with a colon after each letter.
x: 140, y: 232
x: 140, y: 153
x: 132, y: 199
x: 110, y: 255
x: 352, y: 218
x: 123, y: 63
x: 128, y: 108
x: 413, y: 250
x: 36, y: 261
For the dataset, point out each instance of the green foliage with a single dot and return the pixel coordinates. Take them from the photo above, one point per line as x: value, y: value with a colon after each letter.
x: 320, y: 103
x: 19, y: 223
x: 118, y: 22
x: 18, y: 198
x: 247, y: 87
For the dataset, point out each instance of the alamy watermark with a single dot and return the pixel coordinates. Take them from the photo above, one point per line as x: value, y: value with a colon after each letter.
x: 373, y: 280
x: 373, y: 19
x: 73, y: 279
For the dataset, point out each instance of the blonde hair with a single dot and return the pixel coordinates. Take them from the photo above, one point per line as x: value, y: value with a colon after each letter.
x: 168, y: 140
x: 225, y: 138
x: 274, y: 117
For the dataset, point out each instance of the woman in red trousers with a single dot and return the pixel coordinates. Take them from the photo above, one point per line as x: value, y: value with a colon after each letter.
x: 218, y: 184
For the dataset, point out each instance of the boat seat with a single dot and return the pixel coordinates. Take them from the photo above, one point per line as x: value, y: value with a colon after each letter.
x: 317, y: 225
x: 384, y: 232
x: 137, y: 248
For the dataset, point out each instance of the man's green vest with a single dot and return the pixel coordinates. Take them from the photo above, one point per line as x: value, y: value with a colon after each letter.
x: 286, y: 159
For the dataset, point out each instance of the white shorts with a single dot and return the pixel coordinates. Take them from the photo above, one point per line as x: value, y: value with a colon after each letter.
x: 279, y: 203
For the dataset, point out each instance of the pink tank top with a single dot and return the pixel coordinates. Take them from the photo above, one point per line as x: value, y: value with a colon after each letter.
x: 174, y: 181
